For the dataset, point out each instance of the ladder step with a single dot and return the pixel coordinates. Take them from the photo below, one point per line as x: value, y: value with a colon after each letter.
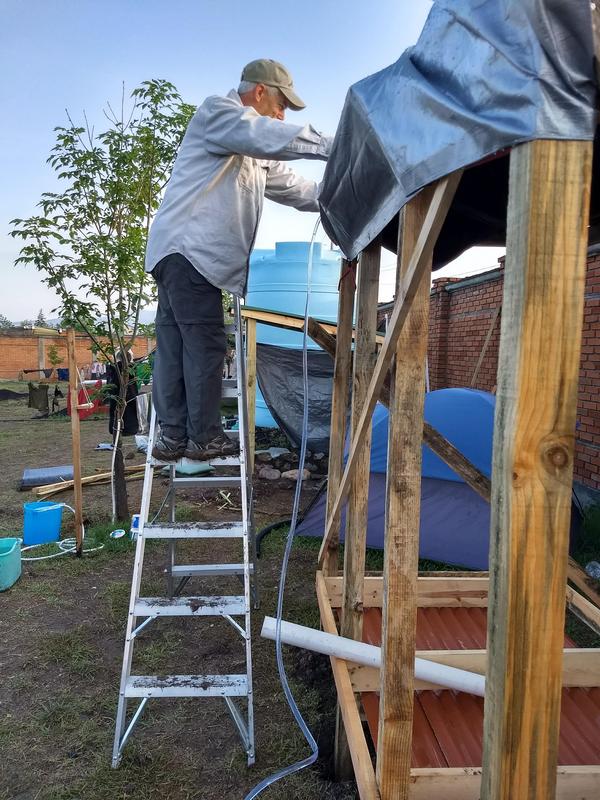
x: 225, y: 461
x: 191, y: 530
x: 208, y: 570
x: 201, y: 606
x: 186, y: 686
x: 224, y: 482
x: 229, y: 391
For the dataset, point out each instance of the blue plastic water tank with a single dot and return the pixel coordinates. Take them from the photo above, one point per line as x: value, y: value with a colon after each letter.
x: 278, y: 282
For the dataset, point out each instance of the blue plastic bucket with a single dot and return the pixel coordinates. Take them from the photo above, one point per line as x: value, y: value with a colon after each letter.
x: 10, y: 562
x: 42, y: 522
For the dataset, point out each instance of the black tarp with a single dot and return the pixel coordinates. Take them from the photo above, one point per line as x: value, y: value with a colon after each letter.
x: 280, y: 378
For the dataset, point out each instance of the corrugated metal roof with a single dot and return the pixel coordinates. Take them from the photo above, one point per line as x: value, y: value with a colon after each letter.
x: 448, y: 725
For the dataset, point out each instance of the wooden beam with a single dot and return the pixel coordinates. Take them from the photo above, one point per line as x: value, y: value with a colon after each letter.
x: 293, y: 322
x: 401, y: 539
x: 442, y: 198
x: 251, y: 388
x: 355, y: 543
x: 534, y: 438
x: 76, y: 441
x: 464, y: 783
x: 486, y: 343
x: 581, y: 667
x: 326, y: 340
x: 342, y: 347
x: 364, y: 774
x: 582, y: 608
x: 432, y: 438
x: 445, y: 591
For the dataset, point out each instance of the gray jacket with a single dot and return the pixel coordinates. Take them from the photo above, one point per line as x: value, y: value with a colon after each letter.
x: 229, y: 159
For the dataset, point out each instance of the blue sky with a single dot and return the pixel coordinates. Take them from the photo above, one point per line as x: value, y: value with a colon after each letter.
x: 75, y: 54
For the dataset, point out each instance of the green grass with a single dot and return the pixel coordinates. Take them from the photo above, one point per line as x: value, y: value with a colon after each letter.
x: 71, y: 650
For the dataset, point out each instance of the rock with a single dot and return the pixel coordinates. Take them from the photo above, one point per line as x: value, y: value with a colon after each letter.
x: 293, y: 458
x: 264, y: 458
x: 310, y: 467
x: 318, y: 456
x: 292, y: 474
x: 269, y: 474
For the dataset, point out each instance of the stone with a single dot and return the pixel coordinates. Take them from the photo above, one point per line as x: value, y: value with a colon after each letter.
x: 292, y: 474
x: 264, y: 457
x: 318, y: 456
x: 269, y: 474
x: 310, y: 467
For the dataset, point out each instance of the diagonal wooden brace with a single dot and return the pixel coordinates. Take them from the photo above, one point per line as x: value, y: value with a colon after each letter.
x: 419, y: 261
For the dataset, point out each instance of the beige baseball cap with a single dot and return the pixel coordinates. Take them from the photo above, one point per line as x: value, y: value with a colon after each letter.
x: 272, y: 73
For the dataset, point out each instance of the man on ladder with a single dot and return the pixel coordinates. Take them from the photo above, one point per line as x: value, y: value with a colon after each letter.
x: 199, y: 243
x: 201, y: 240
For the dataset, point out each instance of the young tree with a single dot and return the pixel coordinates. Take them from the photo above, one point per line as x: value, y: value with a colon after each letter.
x: 5, y: 323
x: 40, y: 321
x: 90, y: 239
x: 54, y: 356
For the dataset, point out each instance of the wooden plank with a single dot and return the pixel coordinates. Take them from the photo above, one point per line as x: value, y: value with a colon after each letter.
x: 76, y: 442
x: 581, y: 667
x: 359, y: 751
x: 442, y: 198
x: 293, y: 322
x: 582, y: 608
x: 464, y: 783
x: 430, y: 591
x: 486, y: 343
x: 355, y: 548
x: 251, y: 388
x: 339, y: 399
x: 534, y: 431
x: 403, y: 506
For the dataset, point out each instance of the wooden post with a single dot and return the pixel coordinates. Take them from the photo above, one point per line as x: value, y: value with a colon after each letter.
x: 365, y: 355
x: 77, y: 488
x: 401, y: 543
x: 534, y: 437
x: 251, y: 388
x: 339, y: 402
x: 41, y: 355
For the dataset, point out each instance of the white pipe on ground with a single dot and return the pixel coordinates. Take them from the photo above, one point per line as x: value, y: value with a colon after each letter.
x: 370, y: 656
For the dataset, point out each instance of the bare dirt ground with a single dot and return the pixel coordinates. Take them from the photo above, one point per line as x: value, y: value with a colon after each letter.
x: 61, y: 642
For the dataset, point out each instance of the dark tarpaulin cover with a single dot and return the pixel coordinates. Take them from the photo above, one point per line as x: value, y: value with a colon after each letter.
x: 279, y: 372
x: 483, y: 76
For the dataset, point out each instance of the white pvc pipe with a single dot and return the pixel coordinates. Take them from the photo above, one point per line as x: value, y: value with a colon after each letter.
x: 370, y: 656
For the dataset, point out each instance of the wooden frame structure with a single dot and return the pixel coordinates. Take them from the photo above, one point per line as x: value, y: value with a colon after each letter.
x: 549, y: 192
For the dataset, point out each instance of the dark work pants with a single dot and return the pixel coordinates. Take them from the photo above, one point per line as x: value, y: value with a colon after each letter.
x: 190, y: 348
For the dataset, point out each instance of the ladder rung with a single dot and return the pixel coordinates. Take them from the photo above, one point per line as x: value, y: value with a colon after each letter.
x: 229, y: 482
x: 229, y: 391
x: 200, y: 606
x: 225, y: 461
x: 191, y: 530
x: 208, y: 570
x: 186, y: 686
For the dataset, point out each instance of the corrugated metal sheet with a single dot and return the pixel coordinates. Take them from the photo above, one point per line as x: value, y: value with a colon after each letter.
x: 448, y: 725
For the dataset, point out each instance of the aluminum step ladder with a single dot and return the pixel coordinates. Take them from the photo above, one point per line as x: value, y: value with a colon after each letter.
x: 233, y: 688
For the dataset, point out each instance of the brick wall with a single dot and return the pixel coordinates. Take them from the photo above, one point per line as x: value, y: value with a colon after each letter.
x: 20, y: 350
x: 461, y: 312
